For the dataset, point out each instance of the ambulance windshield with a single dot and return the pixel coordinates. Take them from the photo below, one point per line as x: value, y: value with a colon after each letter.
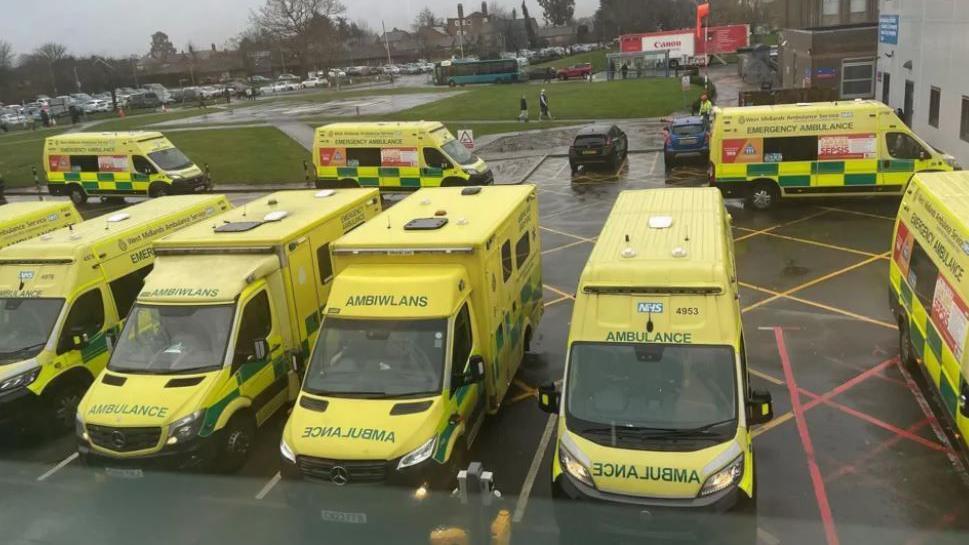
x: 173, y: 339
x: 25, y: 325
x: 170, y: 159
x: 650, y: 387
x: 378, y: 358
x: 459, y: 153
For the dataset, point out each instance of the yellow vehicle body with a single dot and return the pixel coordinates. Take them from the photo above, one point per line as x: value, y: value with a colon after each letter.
x: 655, y: 336
x: 929, y: 288
x: 20, y: 221
x: 401, y: 155
x: 118, y: 164
x: 857, y: 148
x: 64, y: 296
x: 462, y: 268
x: 227, y: 316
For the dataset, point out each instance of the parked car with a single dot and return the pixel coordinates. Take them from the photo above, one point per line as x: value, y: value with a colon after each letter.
x: 314, y: 81
x: 336, y: 73
x: 287, y: 77
x: 391, y: 69
x: 583, y: 70
x: 11, y: 119
x: 144, y: 100
x: 282, y: 86
x: 685, y: 137
x: 95, y: 105
x: 598, y: 144
x: 259, y: 80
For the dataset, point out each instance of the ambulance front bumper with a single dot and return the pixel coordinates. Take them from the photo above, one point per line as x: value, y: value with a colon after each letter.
x: 191, y: 185
x: 199, y: 453
x: 581, y: 506
x: 17, y: 406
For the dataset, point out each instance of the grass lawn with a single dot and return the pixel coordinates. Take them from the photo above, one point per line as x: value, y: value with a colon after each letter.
x: 16, y: 158
x: 597, y: 58
x: 139, y: 121
x: 327, y: 95
x: 254, y: 155
x: 568, y: 100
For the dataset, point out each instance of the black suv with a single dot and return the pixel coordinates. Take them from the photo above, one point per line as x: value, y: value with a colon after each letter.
x: 598, y: 145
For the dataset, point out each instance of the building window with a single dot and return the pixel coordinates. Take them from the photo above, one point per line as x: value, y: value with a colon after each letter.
x: 935, y: 97
x: 858, y: 79
x: 831, y: 7
x: 859, y: 6
x: 964, y: 122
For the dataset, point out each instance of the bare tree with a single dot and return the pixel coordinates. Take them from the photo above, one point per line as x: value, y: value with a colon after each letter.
x: 297, y: 24
x: 425, y: 19
x: 6, y: 55
x: 557, y: 12
x: 51, y: 53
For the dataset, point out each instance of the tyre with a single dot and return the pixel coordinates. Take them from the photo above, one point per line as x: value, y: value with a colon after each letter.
x: 905, y: 351
x: 159, y: 189
x: 62, y: 405
x: 238, y: 438
x: 574, y: 167
x: 451, y: 84
x: 77, y: 194
x: 763, y: 196
x: 453, y: 182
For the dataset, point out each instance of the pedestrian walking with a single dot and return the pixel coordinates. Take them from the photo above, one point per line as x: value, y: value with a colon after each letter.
x: 549, y: 75
x: 44, y: 117
x: 544, y: 112
x: 625, y: 70
x: 228, y: 96
x: 523, y: 111
x: 75, y: 115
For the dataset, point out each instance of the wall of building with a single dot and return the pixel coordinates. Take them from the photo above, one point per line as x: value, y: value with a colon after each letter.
x: 816, y: 13
x: 826, y: 57
x: 933, y: 43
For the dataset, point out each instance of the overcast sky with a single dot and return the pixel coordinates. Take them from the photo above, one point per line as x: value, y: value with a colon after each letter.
x: 124, y: 27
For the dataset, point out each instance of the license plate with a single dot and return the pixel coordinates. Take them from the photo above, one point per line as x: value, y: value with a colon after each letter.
x: 688, y: 141
x: 589, y: 152
x: 346, y: 518
x: 124, y: 473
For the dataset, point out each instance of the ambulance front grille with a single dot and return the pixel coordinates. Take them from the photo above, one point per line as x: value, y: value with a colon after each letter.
x: 123, y: 439
x: 342, y: 471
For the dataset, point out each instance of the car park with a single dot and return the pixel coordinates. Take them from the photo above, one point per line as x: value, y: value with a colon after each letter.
x: 144, y: 100
x: 605, y: 145
x: 686, y: 137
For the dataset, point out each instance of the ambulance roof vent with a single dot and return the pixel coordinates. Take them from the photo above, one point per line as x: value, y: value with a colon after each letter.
x: 278, y: 215
x: 660, y: 222
x: 324, y: 193
x: 679, y: 252
x: 474, y: 190
x: 121, y: 216
x: 425, y: 224
x: 628, y: 253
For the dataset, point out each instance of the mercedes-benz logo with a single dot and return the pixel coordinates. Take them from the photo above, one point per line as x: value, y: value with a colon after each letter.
x: 118, y: 440
x: 339, y: 475
x: 122, y: 245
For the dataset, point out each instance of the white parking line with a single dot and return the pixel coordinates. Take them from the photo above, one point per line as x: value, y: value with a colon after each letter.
x: 269, y: 486
x: 533, y: 470
x: 765, y: 537
x: 652, y: 168
x: 58, y: 467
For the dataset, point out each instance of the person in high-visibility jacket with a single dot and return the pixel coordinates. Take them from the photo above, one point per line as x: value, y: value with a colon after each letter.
x: 706, y: 108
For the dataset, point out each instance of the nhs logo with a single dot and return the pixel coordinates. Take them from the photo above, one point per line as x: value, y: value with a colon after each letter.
x: 651, y: 308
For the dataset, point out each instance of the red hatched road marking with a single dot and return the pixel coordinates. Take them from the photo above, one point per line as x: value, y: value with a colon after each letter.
x: 824, y: 507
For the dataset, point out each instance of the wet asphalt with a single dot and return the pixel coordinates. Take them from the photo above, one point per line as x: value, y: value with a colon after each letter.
x: 863, y: 459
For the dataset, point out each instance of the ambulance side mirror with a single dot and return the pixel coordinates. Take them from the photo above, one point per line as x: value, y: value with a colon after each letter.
x: 548, y: 398
x: 760, y: 408
x: 476, y: 373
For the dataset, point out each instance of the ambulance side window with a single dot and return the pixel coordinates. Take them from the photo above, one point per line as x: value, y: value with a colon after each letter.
x: 126, y: 289
x: 461, y: 349
x: 522, y: 249
x: 85, y: 318
x: 142, y: 166
x: 363, y: 157
x: 922, y: 275
x: 903, y: 146
x: 84, y: 163
x: 256, y: 324
x: 433, y: 158
x: 324, y: 263
x: 506, y: 264
x: 791, y: 148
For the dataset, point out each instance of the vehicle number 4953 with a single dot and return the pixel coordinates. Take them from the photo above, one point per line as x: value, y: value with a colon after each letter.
x: 688, y: 311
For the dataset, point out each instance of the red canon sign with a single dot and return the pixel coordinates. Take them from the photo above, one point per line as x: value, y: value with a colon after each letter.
x: 719, y: 39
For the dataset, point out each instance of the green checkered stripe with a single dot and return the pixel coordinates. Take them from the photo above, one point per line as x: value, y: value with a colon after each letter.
x: 447, y: 427
x: 929, y: 343
x: 390, y: 176
x: 247, y: 371
x: 772, y: 170
x: 103, y: 182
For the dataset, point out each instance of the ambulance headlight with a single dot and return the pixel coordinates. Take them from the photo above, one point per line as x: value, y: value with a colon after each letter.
x: 471, y: 171
x: 175, y: 177
x: 727, y: 476
x: 79, y: 428
x: 573, y: 466
x: 185, y: 428
x: 419, y: 454
x: 19, y: 381
x: 286, y: 451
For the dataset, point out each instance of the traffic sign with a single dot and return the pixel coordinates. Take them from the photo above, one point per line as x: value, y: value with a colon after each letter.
x: 466, y: 137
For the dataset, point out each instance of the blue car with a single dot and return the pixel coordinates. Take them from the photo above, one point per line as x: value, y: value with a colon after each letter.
x: 686, y: 137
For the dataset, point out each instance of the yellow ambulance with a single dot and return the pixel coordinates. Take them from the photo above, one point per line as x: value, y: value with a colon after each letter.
x: 425, y: 328
x: 929, y: 287
x: 64, y: 296
x: 824, y: 149
x: 655, y: 410
x: 394, y: 156
x: 20, y: 221
x: 215, y: 342
x: 118, y: 164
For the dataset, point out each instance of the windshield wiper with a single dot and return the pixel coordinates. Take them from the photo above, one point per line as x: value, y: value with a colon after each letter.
x: 25, y: 348
x: 702, y: 431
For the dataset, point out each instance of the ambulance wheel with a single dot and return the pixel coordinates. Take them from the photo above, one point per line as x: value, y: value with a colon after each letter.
x: 348, y: 183
x: 238, y: 438
x: 77, y: 194
x: 905, y: 352
x: 159, y: 189
x: 453, y: 182
x: 763, y: 196
x: 62, y: 402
